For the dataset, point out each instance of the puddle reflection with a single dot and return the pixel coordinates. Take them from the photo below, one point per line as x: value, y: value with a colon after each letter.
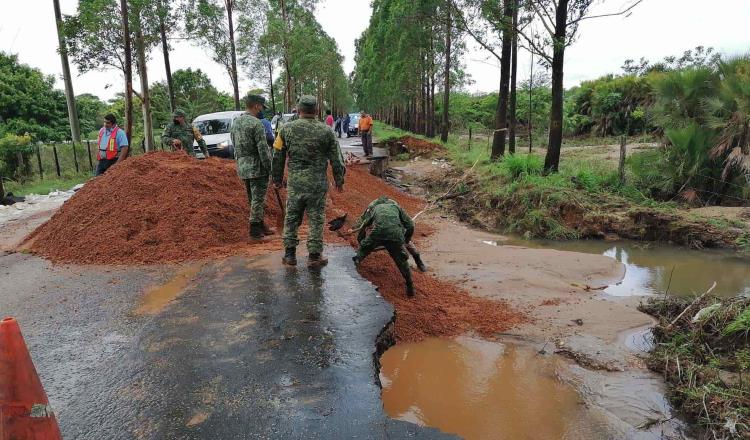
x: 480, y: 390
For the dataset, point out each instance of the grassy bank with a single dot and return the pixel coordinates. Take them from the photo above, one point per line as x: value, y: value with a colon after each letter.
x: 585, y: 199
x: 45, y: 186
x: 705, y: 358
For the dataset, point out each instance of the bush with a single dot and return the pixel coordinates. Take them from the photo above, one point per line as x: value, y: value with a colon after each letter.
x: 515, y: 166
x: 15, y: 155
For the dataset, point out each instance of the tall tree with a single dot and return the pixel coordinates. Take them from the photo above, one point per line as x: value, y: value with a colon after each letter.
x: 211, y: 23
x: 166, y: 18
x: 501, y: 118
x: 447, y: 75
x: 512, y: 120
x: 75, y: 128
x: 145, y: 95
x: 560, y: 20
x: 128, y: 68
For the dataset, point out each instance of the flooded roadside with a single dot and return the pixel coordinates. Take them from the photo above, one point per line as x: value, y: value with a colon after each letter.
x: 480, y: 390
x: 652, y: 268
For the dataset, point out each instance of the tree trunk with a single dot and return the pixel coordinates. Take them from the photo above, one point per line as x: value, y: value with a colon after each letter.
x: 513, y: 84
x: 447, y: 86
x: 270, y: 81
x: 552, y: 161
x: 501, y: 114
x: 70, y: 97
x: 167, y: 65
x: 285, y: 49
x: 148, y: 126
x: 128, y: 70
x: 233, y: 54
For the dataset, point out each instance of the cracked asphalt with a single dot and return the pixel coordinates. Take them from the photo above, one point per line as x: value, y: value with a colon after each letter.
x: 249, y: 350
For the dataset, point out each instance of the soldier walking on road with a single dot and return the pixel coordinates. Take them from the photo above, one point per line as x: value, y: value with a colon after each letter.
x: 180, y: 135
x: 253, y: 162
x: 392, y: 228
x: 309, y: 146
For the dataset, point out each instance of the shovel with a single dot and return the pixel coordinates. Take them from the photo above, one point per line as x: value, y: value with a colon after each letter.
x: 280, y: 220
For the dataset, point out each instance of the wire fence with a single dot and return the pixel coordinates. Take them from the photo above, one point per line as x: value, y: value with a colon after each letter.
x: 65, y: 159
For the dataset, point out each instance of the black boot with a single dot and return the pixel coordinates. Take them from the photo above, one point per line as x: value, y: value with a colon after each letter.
x: 266, y: 230
x: 256, y: 231
x: 410, y: 290
x: 290, y: 257
x: 316, y: 260
x: 420, y: 264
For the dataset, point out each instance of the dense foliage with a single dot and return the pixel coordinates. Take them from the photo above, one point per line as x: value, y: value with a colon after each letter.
x: 400, y: 60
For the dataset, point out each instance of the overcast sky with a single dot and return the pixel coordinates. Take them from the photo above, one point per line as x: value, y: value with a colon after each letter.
x: 656, y: 28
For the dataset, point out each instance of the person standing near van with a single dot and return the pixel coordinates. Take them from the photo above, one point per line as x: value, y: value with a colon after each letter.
x: 113, y: 145
x: 180, y: 135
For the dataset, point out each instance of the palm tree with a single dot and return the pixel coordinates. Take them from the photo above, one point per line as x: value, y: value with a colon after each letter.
x: 729, y: 113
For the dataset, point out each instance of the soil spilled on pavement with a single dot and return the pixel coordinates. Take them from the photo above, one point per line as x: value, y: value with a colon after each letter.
x: 165, y: 207
x: 157, y: 298
x: 479, y: 390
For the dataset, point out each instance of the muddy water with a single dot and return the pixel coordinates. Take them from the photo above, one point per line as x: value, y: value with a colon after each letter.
x: 649, y: 267
x: 154, y: 300
x: 482, y: 390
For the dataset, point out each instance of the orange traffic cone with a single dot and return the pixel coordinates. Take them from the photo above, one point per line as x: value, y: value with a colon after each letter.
x: 25, y: 413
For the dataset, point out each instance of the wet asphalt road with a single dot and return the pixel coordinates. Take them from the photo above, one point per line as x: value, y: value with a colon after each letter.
x: 250, y: 350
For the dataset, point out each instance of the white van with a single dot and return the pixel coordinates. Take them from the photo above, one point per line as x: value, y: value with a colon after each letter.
x: 216, y: 129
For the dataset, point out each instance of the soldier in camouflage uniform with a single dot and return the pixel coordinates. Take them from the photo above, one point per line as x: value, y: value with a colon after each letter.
x: 309, y: 145
x: 180, y: 130
x: 253, y: 157
x: 390, y: 227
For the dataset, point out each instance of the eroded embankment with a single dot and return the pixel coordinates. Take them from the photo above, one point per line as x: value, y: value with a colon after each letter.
x: 164, y: 207
x: 560, y: 213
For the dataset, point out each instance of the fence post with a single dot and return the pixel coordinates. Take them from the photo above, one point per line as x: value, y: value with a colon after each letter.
x: 469, y: 138
x: 2, y: 188
x: 623, y: 154
x: 88, y: 148
x: 39, y: 162
x: 57, y: 161
x: 75, y: 158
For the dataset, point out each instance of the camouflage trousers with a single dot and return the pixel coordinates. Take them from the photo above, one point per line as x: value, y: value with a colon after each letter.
x: 299, y: 202
x: 256, y: 197
x: 395, y: 249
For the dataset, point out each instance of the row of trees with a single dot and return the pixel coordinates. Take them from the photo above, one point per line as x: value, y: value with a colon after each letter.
x: 409, y: 51
x: 397, y: 55
x: 279, y: 41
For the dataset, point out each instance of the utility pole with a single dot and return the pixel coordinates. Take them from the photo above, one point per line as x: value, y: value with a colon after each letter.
x: 70, y: 98
x: 128, y: 70
x: 531, y: 91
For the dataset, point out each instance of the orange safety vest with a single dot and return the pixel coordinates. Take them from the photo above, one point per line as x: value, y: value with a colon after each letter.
x: 111, y: 152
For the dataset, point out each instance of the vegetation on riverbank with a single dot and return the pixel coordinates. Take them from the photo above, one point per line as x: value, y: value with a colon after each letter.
x: 586, y: 199
x: 705, y: 358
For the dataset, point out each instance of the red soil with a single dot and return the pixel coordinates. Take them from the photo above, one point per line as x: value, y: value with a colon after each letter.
x: 420, y: 147
x: 166, y: 207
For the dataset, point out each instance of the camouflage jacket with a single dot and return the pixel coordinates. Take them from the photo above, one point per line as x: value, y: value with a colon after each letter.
x: 250, y: 147
x: 310, y: 145
x: 389, y: 222
x: 185, y: 133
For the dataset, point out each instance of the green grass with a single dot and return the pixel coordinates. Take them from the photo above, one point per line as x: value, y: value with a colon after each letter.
x: 45, y: 186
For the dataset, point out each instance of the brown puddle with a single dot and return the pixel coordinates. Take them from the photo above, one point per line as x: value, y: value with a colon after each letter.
x: 157, y: 298
x: 481, y: 390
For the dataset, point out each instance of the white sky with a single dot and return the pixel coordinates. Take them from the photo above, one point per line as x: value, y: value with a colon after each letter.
x: 656, y: 28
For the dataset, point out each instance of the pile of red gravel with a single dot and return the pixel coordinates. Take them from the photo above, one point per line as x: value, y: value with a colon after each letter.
x: 167, y: 207
x: 420, y: 147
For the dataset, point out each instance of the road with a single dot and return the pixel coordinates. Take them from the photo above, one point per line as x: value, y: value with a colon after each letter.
x: 246, y: 349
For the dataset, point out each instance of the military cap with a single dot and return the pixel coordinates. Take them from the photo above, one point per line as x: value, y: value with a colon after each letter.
x: 308, y: 102
x: 255, y: 99
x: 179, y: 112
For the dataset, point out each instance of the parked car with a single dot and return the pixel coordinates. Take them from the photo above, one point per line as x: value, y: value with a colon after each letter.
x: 216, y: 129
x: 354, y: 124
